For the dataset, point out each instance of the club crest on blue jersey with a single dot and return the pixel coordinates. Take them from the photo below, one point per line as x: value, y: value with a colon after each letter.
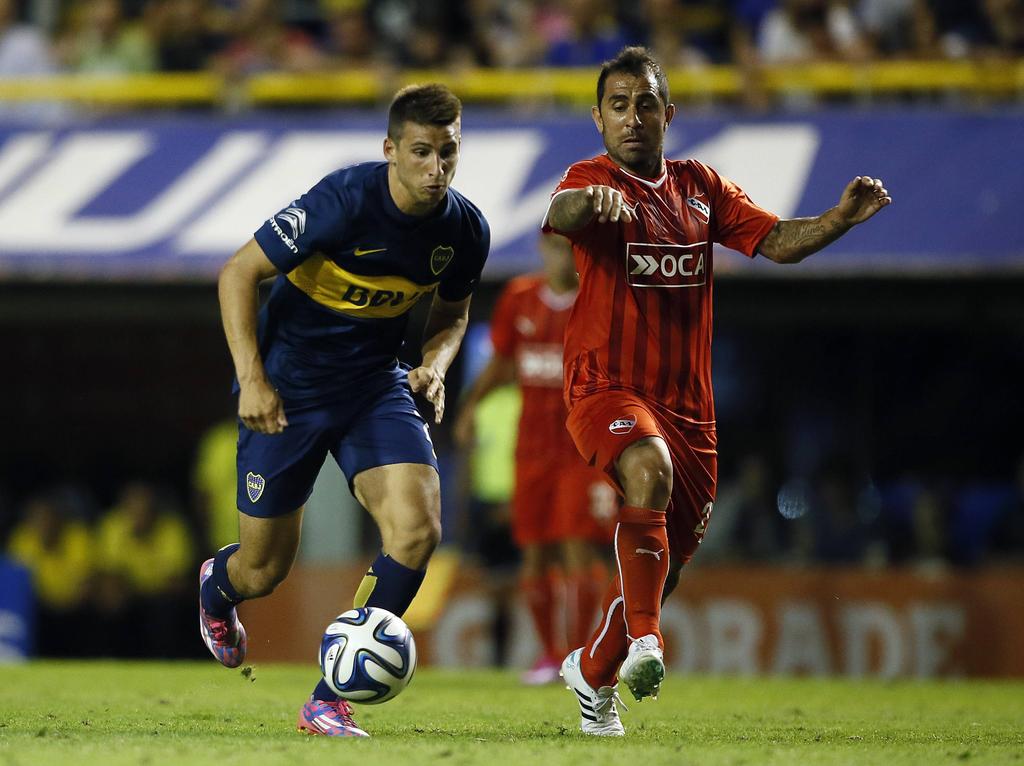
x: 440, y: 258
x: 254, y: 484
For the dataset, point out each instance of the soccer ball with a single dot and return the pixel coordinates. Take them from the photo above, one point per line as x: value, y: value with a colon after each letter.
x: 367, y: 655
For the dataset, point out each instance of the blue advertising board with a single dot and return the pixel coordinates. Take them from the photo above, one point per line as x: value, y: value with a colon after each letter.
x: 172, y: 196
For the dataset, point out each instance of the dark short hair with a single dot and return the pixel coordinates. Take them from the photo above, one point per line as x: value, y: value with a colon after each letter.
x: 432, y: 104
x: 635, y: 60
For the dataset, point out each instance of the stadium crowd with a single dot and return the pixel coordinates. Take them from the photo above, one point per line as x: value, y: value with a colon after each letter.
x: 244, y: 37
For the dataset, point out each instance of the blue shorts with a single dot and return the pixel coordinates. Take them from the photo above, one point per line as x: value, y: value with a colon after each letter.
x: 378, y: 426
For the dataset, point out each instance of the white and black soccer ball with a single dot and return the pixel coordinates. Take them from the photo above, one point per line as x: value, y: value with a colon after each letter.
x: 367, y: 655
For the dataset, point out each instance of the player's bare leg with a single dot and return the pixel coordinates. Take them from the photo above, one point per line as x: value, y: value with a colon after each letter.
x: 404, y: 500
x: 267, y: 550
x: 249, y: 569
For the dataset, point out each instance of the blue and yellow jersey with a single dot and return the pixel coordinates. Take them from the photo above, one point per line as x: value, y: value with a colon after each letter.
x: 352, y: 266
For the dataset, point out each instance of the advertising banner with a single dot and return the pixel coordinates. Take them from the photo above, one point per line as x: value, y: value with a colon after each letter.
x: 171, y: 197
x: 722, y: 620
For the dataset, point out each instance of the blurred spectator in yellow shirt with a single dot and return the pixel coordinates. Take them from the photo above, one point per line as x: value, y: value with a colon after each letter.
x: 215, y: 483
x: 98, y: 41
x: 143, y: 554
x: 56, y: 548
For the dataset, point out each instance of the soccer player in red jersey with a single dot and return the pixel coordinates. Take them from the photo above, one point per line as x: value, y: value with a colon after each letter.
x: 638, y: 353
x: 563, y: 512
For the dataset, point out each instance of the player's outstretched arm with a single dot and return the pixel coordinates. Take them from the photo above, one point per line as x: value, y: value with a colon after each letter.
x: 442, y: 336
x: 259, y: 406
x: 572, y: 210
x: 499, y: 371
x: 793, y: 239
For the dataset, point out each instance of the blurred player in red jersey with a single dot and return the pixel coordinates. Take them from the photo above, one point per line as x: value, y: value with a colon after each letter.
x: 563, y: 511
x: 638, y: 353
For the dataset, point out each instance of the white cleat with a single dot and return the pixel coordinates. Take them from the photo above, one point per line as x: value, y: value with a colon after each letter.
x: 599, y: 715
x: 643, y: 670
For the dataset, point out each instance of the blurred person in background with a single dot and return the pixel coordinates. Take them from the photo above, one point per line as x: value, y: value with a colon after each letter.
x: 638, y: 353
x: 801, y: 31
x: 317, y: 371
x: 98, y: 40
x: 25, y: 51
x: 215, y: 483
x: 1007, y: 537
x: 561, y: 508
x: 259, y: 41
x: 590, y: 34
x: 1006, y: 20
x: 183, y: 35
x: 351, y: 42
x: 954, y: 29
x: 143, y: 554
x: 57, y: 548
x: 748, y: 525
x: 687, y: 34
x: 486, y: 527
x: 890, y: 26
x: 841, y: 523
x: 424, y: 33
x: 507, y: 35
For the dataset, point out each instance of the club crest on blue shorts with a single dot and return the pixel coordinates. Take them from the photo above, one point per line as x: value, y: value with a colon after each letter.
x: 254, y: 484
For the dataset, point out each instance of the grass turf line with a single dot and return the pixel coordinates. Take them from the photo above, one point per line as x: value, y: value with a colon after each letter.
x: 66, y: 713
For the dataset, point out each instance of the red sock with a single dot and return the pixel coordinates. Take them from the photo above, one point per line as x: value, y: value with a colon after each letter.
x: 583, y: 594
x: 606, y: 649
x: 539, y: 594
x: 641, y: 550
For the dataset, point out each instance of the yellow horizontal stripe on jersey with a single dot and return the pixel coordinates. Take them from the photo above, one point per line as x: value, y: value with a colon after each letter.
x: 356, y: 294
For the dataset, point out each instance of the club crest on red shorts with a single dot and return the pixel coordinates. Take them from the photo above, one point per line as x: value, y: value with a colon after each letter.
x: 623, y: 425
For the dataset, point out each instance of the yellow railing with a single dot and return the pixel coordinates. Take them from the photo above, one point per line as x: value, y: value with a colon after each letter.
x: 1004, y: 78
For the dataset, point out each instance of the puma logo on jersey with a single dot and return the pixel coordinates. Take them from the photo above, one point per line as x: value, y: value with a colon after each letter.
x: 656, y: 554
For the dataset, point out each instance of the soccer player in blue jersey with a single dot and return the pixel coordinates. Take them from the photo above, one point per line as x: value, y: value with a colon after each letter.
x: 317, y: 368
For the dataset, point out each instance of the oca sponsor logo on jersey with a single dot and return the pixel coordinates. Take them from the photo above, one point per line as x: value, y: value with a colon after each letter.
x: 666, y: 265
x: 623, y: 425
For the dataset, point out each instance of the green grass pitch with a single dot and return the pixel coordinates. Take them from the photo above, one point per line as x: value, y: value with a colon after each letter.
x: 80, y: 713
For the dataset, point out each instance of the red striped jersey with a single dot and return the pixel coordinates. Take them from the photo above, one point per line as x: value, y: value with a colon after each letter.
x: 528, y: 326
x: 642, y: 319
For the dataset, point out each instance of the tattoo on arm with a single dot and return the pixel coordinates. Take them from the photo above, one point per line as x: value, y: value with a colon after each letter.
x: 794, y: 239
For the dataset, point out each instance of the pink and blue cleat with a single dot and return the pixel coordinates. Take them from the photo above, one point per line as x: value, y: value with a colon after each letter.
x: 329, y: 719
x: 225, y: 638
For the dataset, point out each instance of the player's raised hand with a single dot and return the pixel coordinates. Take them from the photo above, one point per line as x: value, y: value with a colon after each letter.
x: 608, y: 204
x: 260, y: 407
x: 862, y: 198
x: 429, y: 381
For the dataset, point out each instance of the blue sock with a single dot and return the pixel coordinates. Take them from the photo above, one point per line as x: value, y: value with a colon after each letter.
x: 218, y: 595
x: 388, y: 585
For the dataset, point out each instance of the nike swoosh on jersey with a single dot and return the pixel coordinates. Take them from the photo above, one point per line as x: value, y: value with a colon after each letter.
x: 359, y: 251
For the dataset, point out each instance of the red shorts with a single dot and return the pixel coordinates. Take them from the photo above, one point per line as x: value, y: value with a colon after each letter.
x: 561, y: 501
x: 605, y: 423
